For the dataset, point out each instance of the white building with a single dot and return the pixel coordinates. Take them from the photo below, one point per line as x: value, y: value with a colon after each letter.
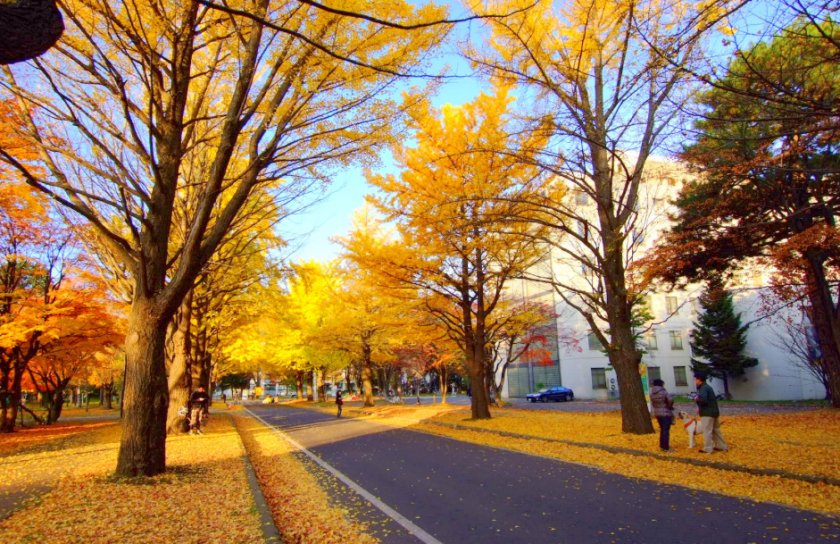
x: 579, y: 363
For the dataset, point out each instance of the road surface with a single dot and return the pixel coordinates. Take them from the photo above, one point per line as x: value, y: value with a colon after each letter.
x: 439, y: 490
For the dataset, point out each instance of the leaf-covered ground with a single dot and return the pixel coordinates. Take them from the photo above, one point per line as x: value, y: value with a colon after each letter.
x: 204, y: 497
x: 800, y: 446
x: 298, y: 502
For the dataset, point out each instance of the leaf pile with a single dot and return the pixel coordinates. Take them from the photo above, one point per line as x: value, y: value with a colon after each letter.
x: 204, y: 496
x: 800, y: 444
x: 299, y: 505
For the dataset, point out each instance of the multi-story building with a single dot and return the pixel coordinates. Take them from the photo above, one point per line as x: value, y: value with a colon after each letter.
x: 577, y: 358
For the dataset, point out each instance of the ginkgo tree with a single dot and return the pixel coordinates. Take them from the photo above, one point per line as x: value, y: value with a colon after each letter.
x: 268, y: 92
x: 217, y: 302
x: 608, y: 80
x: 370, y: 322
x: 455, y: 204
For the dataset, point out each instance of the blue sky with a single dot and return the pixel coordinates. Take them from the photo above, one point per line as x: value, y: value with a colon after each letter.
x: 310, y: 232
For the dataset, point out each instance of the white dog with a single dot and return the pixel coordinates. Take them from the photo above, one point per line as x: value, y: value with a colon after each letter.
x: 690, y: 424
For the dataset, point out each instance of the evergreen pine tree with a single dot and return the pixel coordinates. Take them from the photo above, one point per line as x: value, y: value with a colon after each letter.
x: 718, y: 339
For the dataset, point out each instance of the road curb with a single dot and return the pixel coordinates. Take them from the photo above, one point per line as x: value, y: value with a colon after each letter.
x: 271, y: 534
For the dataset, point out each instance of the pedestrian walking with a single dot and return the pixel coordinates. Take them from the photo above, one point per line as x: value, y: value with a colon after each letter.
x: 339, y: 402
x: 198, y: 405
x: 709, y: 412
x: 663, y: 410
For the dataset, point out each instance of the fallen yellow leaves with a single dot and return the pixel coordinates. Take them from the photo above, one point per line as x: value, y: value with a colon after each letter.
x: 204, y: 496
x: 301, y: 509
x: 802, y: 444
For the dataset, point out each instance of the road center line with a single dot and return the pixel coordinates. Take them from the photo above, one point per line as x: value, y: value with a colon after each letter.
x: 406, y: 523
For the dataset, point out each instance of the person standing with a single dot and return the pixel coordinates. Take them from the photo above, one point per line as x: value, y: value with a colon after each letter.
x: 663, y: 410
x: 198, y: 404
x: 709, y: 415
x: 339, y: 402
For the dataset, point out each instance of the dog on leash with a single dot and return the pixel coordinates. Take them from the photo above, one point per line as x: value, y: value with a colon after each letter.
x: 690, y: 424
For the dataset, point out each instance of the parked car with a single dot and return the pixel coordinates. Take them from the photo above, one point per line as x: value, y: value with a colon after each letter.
x: 556, y: 394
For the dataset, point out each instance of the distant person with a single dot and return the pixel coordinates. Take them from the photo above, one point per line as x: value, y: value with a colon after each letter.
x: 224, y: 399
x: 199, y: 401
x: 709, y: 412
x: 339, y: 402
x: 663, y: 411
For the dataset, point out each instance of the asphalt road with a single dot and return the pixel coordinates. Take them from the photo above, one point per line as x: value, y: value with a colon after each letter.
x: 457, y: 493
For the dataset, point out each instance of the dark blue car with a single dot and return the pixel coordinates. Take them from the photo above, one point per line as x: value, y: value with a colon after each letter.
x: 556, y: 394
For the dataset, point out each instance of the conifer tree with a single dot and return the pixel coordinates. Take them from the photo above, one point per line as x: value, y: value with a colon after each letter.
x: 718, y: 340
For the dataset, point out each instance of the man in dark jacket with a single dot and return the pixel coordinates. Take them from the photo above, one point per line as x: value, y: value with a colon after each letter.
x: 709, y: 415
x: 198, y: 404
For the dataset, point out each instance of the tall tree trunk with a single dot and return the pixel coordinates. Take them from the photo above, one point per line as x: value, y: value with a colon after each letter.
x: 5, y: 391
x: 475, y: 339
x: 13, y: 397
x: 622, y: 352
x: 476, y: 367
x: 367, y: 376
x: 322, y: 387
x: 443, y: 377
x: 105, y: 392
x: 310, y: 390
x: 179, y: 383
x: 299, y: 383
x: 826, y: 323
x: 55, y: 403
x: 143, y: 444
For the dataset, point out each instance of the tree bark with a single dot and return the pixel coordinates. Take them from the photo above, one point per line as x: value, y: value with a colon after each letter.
x: 625, y: 359
x: 179, y: 381
x: 12, y: 399
x: 143, y: 443
x: 826, y: 324
x: 105, y: 392
x: 367, y: 376
x: 299, y: 383
x: 622, y: 352
x: 443, y: 377
x: 55, y: 403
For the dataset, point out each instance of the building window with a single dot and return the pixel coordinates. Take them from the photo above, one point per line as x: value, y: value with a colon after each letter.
x: 671, y: 305
x: 680, y: 376
x: 594, y: 343
x: 676, y: 340
x: 599, y: 378
x: 654, y: 373
x: 580, y: 197
x: 649, y: 341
